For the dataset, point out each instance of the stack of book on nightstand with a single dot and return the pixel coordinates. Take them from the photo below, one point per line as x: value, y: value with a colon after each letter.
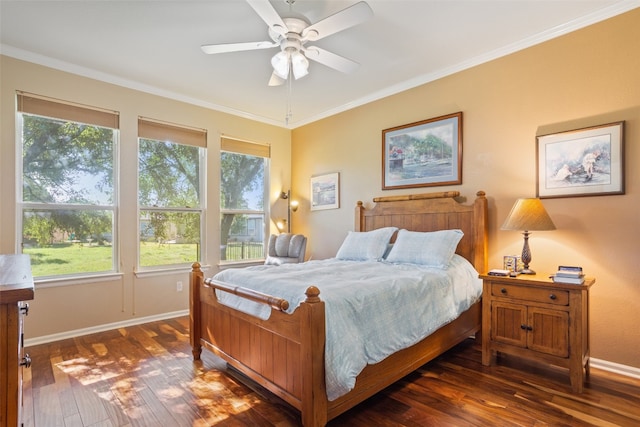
x: 569, y: 274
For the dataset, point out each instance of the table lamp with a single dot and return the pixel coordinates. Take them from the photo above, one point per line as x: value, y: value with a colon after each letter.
x: 527, y: 215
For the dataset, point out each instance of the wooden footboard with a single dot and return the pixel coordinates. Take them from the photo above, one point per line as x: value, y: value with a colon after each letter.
x: 284, y: 354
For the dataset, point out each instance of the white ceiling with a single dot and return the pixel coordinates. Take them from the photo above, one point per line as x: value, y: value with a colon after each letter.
x: 154, y: 46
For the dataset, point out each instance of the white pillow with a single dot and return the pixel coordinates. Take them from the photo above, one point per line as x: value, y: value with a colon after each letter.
x: 433, y: 249
x: 365, y: 245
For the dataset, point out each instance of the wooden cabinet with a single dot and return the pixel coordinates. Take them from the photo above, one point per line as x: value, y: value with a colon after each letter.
x: 16, y: 287
x: 533, y: 317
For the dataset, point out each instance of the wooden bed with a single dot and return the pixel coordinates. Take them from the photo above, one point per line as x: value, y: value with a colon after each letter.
x: 285, y: 353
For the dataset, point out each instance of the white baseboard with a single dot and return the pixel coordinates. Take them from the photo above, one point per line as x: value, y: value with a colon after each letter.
x: 627, y: 371
x: 101, y: 328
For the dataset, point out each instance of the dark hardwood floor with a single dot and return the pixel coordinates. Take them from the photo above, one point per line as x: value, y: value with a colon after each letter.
x: 145, y: 376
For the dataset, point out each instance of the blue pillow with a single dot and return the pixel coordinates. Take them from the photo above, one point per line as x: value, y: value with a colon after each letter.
x: 432, y: 249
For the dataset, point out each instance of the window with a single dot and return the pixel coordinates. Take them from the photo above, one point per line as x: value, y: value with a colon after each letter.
x: 67, y: 197
x: 244, y: 169
x: 170, y: 177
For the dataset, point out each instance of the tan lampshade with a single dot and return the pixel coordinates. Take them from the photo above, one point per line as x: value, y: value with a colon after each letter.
x: 527, y: 215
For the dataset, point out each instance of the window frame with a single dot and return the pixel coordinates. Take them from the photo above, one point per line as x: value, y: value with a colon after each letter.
x: 68, y: 112
x: 254, y: 149
x: 163, y: 132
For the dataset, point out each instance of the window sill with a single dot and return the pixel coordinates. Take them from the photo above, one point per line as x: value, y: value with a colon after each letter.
x: 76, y: 280
x: 164, y: 271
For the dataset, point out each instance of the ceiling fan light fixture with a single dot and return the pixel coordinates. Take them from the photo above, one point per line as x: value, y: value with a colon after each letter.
x: 280, y: 63
x: 276, y: 80
x: 300, y: 65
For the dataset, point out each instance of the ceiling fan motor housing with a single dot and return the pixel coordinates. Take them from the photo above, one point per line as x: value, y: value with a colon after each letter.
x: 295, y: 27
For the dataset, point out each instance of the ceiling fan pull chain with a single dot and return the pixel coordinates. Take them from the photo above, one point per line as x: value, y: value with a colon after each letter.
x: 289, y: 114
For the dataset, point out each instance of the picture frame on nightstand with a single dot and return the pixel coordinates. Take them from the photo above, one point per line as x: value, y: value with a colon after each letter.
x: 513, y: 263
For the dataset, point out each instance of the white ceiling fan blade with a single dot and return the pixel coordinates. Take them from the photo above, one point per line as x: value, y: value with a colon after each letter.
x: 236, y: 47
x: 269, y: 15
x: 353, y: 15
x: 331, y: 60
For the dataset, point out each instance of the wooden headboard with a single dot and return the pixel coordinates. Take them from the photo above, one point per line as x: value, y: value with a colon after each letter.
x: 433, y: 212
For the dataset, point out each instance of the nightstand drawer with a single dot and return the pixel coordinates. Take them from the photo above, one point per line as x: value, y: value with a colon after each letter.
x: 551, y: 296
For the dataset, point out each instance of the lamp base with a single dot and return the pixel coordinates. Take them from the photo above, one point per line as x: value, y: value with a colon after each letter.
x: 526, y: 255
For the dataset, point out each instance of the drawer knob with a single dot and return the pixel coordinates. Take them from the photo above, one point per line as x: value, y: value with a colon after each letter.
x: 526, y: 327
x: 553, y: 296
x: 503, y: 290
x: 26, y: 361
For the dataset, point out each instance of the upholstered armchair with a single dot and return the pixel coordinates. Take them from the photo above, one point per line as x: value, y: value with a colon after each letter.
x: 286, y: 248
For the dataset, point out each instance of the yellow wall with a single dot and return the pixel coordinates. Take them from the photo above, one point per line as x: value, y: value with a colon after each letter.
x: 589, y: 77
x: 86, y: 304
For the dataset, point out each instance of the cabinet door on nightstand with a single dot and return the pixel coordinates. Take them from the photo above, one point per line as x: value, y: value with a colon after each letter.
x: 550, y: 331
x: 506, y: 323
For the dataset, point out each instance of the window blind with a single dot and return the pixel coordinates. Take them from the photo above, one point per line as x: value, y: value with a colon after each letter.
x: 245, y: 147
x: 162, y: 131
x: 56, y: 109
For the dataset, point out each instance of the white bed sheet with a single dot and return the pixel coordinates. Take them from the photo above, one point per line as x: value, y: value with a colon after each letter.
x: 373, y: 309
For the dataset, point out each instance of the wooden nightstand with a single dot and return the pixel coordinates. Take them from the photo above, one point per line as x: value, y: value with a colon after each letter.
x: 531, y: 316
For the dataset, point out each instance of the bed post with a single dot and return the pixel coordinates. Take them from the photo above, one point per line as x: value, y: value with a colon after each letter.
x: 481, y: 220
x: 480, y: 253
x: 359, y: 222
x: 195, y: 280
x: 312, y: 333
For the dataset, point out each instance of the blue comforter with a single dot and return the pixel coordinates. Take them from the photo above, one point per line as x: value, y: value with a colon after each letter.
x: 372, y: 309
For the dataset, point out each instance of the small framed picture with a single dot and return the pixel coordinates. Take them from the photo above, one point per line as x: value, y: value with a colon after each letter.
x: 325, y: 192
x: 513, y: 263
x: 583, y: 162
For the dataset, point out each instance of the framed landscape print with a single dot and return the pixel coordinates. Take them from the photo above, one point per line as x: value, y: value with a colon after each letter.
x: 423, y: 154
x: 325, y: 191
x: 583, y: 162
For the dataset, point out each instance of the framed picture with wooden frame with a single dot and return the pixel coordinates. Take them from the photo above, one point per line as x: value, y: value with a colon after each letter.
x: 325, y: 191
x: 423, y: 154
x: 582, y: 162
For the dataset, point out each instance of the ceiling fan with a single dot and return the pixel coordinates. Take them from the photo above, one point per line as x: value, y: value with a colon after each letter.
x: 292, y: 33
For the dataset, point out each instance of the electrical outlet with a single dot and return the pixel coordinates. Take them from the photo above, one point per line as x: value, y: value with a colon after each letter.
x: 179, y: 286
